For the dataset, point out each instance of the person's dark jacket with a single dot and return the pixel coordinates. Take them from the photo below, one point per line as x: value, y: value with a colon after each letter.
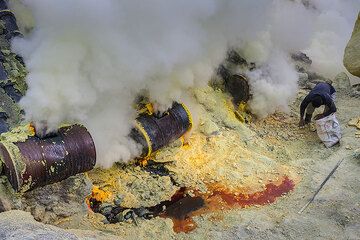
x: 324, y: 90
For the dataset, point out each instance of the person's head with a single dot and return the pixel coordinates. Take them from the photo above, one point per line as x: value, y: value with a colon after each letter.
x: 317, y: 101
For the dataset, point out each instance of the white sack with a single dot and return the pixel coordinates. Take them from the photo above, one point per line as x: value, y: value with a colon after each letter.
x: 328, y: 130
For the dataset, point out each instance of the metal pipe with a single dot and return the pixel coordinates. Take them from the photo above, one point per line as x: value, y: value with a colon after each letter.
x: 153, y: 132
x: 235, y: 84
x: 238, y: 86
x: 37, y: 162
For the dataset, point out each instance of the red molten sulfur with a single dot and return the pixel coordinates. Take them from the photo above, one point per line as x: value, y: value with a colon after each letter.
x: 223, y: 199
x: 267, y: 196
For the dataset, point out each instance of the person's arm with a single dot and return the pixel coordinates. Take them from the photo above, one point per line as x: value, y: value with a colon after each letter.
x: 303, y: 107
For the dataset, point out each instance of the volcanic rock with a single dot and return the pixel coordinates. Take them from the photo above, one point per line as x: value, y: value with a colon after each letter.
x: 302, y: 61
x: 342, y: 82
x: 355, y: 91
x: 352, y: 51
x: 21, y: 225
x: 59, y: 200
x: 209, y: 128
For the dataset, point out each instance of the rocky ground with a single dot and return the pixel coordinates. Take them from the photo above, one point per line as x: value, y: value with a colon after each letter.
x: 242, y: 180
x: 223, y: 153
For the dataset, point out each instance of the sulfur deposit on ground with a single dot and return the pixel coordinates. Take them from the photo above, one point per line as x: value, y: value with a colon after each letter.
x: 223, y: 153
x: 228, y: 154
x: 237, y: 156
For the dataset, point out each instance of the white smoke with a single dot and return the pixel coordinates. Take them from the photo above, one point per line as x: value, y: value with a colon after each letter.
x: 333, y: 26
x: 88, y: 59
x: 321, y: 30
x: 274, y: 83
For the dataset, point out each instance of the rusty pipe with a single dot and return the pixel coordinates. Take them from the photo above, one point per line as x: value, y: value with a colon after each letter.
x: 238, y: 87
x: 37, y: 162
x: 153, y: 132
x: 40, y: 161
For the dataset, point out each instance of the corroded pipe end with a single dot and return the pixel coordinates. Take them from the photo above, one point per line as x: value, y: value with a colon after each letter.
x: 238, y: 87
x: 37, y: 162
x: 153, y: 133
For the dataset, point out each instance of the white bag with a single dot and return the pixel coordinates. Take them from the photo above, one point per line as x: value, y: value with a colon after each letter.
x: 328, y: 130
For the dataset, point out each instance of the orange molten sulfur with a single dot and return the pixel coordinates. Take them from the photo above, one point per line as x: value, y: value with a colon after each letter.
x: 99, y: 195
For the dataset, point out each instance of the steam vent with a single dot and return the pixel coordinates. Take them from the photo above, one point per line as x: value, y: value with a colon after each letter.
x: 179, y: 119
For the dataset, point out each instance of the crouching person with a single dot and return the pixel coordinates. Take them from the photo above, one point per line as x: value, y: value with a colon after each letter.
x: 321, y: 94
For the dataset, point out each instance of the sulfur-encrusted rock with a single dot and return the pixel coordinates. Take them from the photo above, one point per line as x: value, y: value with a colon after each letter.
x: 8, y: 199
x: 209, y: 128
x: 342, y: 82
x: 58, y: 200
x: 352, y: 51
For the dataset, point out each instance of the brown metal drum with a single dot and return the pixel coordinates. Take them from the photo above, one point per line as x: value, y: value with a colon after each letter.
x: 50, y: 160
x: 153, y: 133
x: 238, y: 87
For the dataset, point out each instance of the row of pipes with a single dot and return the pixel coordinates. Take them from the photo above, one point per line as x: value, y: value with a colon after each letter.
x: 39, y: 161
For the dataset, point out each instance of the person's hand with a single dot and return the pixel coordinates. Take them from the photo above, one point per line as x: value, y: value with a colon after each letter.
x: 302, y: 123
x: 319, y: 116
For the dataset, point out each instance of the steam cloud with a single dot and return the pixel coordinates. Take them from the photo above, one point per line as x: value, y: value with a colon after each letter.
x: 88, y: 59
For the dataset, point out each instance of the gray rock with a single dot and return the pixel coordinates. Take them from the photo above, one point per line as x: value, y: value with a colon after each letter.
x: 302, y: 61
x: 352, y: 51
x: 310, y: 85
x: 5, y: 204
x: 355, y: 91
x: 209, y: 128
x: 303, y: 79
x: 21, y: 225
x: 38, y: 212
x: 313, y: 76
x: 342, y: 82
x: 118, y: 200
x: 105, y: 208
x: 356, y: 87
x: 355, y: 94
x: 105, y: 221
x: 127, y: 214
x: 120, y: 217
x: 357, y: 154
x: 8, y: 198
x: 141, y: 212
x: 60, y: 200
